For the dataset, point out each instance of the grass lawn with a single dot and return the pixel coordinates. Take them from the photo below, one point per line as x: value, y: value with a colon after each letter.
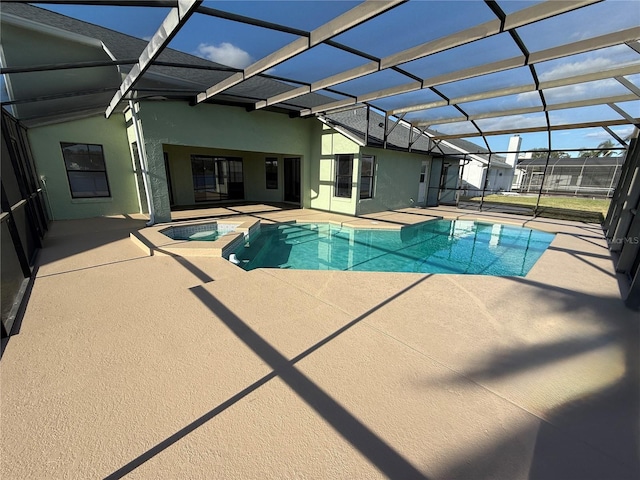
x: 568, y: 208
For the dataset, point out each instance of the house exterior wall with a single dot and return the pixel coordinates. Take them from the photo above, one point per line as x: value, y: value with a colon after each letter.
x: 397, y: 179
x: 179, y: 130
x: 326, y: 143
x: 502, y: 180
x: 473, y: 178
x: 47, y: 153
x: 221, y: 128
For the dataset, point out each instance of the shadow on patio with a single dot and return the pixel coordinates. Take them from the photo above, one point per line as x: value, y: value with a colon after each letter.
x: 365, y: 440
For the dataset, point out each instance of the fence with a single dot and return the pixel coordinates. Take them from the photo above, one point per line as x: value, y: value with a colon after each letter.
x: 597, y: 176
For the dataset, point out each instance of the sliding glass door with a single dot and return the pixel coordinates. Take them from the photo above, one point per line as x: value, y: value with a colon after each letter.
x: 217, y: 178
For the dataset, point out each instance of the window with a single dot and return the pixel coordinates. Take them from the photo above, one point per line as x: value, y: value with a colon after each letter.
x: 86, y: 170
x: 367, y: 169
x: 344, y: 172
x: 271, y: 172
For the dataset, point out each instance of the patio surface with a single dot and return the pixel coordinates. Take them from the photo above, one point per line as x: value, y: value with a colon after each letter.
x: 164, y: 367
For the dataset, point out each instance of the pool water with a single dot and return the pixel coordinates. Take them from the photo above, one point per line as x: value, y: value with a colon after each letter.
x: 207, y: 236
x: 439, y: 246
x: 206, y: 232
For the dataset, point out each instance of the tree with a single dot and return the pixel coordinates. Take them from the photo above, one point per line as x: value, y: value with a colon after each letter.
x: 604, y: 149
x: 609, y: 145
x: 542, y: 153
x: 539, y: 153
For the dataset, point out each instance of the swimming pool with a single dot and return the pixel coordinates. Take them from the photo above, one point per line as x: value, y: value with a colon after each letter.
x: 438, y: 246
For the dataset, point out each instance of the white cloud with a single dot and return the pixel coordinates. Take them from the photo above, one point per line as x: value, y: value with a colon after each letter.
x: 570, y: 69
x: 604, y: 135
x: 225, y: 54
x: 596, y: 89
x: 604, y: 59
x: 509, y: 122
x: 590, y: 62
x: 579, y: 91
x: 454, y: 128
x: 489, y: 124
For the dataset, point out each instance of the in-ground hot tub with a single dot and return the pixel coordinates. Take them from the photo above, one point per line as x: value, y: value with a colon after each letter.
x: 206, y: 232
x: 205, y: 238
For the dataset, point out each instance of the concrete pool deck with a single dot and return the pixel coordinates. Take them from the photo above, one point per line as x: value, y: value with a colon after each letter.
x: 164, y: 367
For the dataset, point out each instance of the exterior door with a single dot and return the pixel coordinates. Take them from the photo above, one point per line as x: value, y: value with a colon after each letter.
x: 168, y: 173
x: 292, y: 180
x: 422, y: 188
x: 235, y: 190
x: 449, y: 183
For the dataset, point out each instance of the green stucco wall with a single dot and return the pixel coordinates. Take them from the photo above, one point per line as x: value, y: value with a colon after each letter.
x: 47, y: 153
x: 220, y: 128
x: 397, y: 180
x: 326, y: 144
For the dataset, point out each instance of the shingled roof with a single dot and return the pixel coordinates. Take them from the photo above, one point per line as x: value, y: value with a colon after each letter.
x: 355, y: 122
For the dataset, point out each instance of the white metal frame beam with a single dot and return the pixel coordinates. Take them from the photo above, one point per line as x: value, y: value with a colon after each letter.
x: 575, y: 48
x: 544, y: 128
x: 523, y: 17
x: 117, y: 3
x: 617, y: 73
x: 173, y: 22
x: 630, y: 86
x: 357, y: 15
x: 527, y: 110
x: 615, y: 135
x: 623, y: 113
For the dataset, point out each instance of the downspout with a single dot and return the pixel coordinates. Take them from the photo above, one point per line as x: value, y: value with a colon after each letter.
x: 143, y: 162
x: 486, y: 181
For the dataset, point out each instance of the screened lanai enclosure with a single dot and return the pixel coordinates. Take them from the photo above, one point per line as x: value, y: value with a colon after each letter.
x: 493, y: 68
x: 450, y: 80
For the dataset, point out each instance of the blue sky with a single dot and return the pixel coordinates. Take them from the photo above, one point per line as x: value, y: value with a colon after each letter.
x: 238, y: 45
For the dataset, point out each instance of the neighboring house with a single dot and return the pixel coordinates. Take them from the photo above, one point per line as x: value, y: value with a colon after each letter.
x: 490, y: 173
x: 159, y: 152
x: 479, y: 174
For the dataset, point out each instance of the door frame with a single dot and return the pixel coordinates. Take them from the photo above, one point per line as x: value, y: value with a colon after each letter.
x: 292, y: 177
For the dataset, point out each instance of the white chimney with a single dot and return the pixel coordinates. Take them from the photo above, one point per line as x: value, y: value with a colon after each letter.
x: 513, y: 149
